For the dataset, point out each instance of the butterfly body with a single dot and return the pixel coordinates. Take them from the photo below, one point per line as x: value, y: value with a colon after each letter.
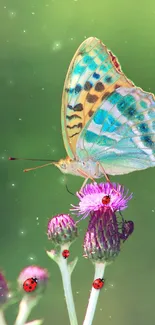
x: 79, y: 168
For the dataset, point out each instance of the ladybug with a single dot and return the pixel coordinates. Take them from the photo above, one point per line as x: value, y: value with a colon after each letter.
x: 98, y: 283
x: 106, y: 199
x: 65, y: 253
x: 30, y: 284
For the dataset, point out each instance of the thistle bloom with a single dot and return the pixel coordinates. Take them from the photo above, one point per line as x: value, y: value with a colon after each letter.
x: 4, y: 291
x: 37, y: 272
x: 95, y: 196
x: 62, y: 229
x: 102, y: 239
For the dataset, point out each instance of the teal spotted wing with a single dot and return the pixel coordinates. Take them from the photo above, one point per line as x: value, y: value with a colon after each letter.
x: 121, y: 133
x: 93, y: 74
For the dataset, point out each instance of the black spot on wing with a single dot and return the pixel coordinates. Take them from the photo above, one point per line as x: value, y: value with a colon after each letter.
x: 87, y: 86
x: 76, y: 108
x: 71, y: 136
x: 73, y: 117
x: 79, y: 125
x: 90, y: 113
x: 91, y: 98
x: 99, y: 86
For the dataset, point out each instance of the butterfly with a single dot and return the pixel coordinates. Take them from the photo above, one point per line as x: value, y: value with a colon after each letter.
x: 108, y: 124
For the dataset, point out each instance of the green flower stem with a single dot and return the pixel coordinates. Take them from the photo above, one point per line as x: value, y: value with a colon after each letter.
x: 99, y: 273
x: 66, y: 279
x: 26, y: 305
x: 66, y: 271
x: 2, y: 319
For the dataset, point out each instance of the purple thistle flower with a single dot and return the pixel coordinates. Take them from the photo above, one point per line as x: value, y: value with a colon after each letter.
x: 62, y: 229
x: 95, y: 196
x: 4, y: 291
x: 102, y: 240
x: 37, y: 272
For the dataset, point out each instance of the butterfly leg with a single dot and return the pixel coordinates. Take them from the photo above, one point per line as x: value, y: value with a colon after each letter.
x: 86, y: 178
x: 106, y: 177
x: 104, y: 173
x: 84, y: 183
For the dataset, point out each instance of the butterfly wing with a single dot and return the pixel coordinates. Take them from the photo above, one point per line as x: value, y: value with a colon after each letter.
x: 121, y: 133
x: 94, y: 73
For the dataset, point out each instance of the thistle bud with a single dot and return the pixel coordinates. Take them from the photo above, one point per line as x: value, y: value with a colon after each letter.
x: 62, y: 229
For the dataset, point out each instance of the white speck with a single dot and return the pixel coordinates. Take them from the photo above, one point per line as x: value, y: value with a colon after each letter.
x: 10, y: 295
x: 32, y: 257
x: 33, y: 13
x: 152, y: 210
x: 56, y: 46
x: 4, y: 7
x: 53, y: 150
x: 12, y: 14
x: 85, y: 37
x: 62, y: 180
x: 77, y: 292
x: 111, y: 285
x: 10, y: 82
x: 71, y: 38
x: 37, y: 218
x: 42, y: 88
x: 109, y: 317
x: 13, y: 185
x: 22, y: 233
x: 24, y: 31
x: 101, y: 309
x: 3, y: 157
x: 20, y: 119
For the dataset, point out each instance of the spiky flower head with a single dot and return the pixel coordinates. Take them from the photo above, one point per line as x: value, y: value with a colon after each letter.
x: 4, y: 291
x: 62, y: 229
x: 104, y: 235
x: 94, y: 197
x: 35, y: 272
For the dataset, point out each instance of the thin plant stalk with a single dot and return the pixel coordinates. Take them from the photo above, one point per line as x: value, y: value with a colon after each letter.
x: 66, y: 271
x: 25, y: 307
x: 66, y: 280
x: 2, y: 319
x: 93, y: 299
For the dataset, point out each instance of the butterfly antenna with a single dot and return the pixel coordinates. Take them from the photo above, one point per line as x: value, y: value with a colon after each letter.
x: 33, y: 159
x: 69, y: 191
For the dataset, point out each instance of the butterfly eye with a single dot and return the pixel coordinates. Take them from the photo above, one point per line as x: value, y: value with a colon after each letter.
x: 63, y: 166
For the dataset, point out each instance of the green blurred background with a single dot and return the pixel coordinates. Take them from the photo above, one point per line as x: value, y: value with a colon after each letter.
x: 37, y: 41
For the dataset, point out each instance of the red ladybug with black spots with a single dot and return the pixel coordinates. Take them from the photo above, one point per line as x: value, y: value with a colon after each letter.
x: 98, y: 283
x: 30, y: 284
x: 65, y: 253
